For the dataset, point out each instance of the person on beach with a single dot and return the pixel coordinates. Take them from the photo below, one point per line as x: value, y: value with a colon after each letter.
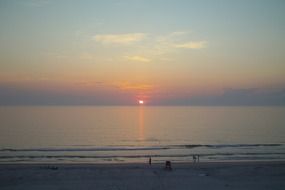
x: 194, y: 158
x: 149, y: 161
x: 168, y: 165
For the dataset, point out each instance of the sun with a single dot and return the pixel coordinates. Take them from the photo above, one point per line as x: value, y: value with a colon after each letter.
x: 141, y: 102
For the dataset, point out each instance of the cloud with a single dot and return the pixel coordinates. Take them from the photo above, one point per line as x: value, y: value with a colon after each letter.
x: 232, y: 97
x: 174, y: 42
x: 146, y: 48
x: 137, y: 58
x: 133, y: 86
x: 122, y: 39
x: 192, y: 45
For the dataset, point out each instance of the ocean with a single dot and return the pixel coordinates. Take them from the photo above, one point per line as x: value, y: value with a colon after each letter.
x: 126, y: 134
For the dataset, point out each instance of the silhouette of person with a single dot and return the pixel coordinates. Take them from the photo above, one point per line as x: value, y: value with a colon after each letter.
x: 168, y: 165
x: 149, y: 161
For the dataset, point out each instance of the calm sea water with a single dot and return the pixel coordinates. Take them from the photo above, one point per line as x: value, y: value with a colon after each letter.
x: 132, y: 134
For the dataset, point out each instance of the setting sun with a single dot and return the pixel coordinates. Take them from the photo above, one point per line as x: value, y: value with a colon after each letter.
x: 141, y: 102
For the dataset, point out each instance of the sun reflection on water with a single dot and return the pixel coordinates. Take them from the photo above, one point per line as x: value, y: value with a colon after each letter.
x: 141, y: 124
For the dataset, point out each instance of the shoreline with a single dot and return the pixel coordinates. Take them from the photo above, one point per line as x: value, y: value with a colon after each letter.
x: 182, y: 163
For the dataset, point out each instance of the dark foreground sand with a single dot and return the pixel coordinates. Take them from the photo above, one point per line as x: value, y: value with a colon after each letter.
x: 235, y: 175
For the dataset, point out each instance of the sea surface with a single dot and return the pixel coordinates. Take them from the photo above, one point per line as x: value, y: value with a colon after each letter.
x: 106, y: 134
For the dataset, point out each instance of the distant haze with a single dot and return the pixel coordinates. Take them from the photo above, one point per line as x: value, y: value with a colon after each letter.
x: 116, y: 52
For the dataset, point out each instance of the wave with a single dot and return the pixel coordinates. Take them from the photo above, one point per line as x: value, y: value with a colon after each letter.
x: 226, y: 145
x: 137, y: 156
x: 82, y: 149
x: 134, y: 148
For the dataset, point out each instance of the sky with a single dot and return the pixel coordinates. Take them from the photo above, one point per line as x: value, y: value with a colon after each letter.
x: 165, y: 52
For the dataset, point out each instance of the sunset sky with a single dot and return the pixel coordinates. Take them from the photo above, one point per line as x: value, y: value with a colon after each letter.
x: 165, y: 52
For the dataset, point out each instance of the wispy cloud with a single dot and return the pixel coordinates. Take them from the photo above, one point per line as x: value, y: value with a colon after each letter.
x: 191, y: 45
x: 176, y: 40
x: 137, y: 58
x: 133, y: 86
x: 122, y: 39
x: 148, y: 47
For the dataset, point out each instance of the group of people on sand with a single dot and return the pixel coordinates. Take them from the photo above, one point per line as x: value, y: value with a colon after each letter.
x: 196, y: 159
x: 167, y: 164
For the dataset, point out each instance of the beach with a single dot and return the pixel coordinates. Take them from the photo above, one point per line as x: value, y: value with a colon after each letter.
x: 204, y: 175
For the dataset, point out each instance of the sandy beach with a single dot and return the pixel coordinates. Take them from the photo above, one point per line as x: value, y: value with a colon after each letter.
x: 229, y: 175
